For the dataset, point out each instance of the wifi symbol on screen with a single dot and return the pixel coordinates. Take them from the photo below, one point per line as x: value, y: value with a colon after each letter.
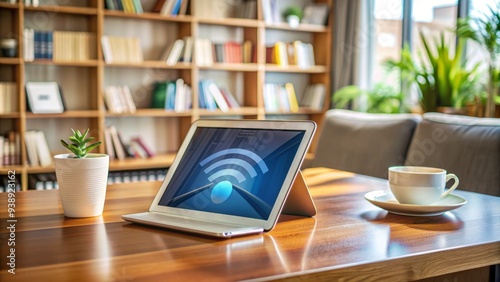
x: 230, y: 166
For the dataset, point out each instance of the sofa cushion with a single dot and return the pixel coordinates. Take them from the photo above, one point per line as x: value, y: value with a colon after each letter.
x: 364, y: 143
x: 466, y: 146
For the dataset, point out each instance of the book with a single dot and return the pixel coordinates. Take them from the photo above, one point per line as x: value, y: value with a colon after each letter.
x: 170, y: 96
x: 158, y: 5
x: 29, y: 140
x: 108, y: 143
x: 217, y: 96
x: 203, y: 52
x: 205, y: 98
x: 117, y: 49
x: 159, y: 95
x: 314, y: 96
x: 140, y: 141
x: 117, y: 144
x: 176, y: 7
x: 180, y: 99
x: 175, y: 53
x: 230, y: 99
x: 8, y: 97
x: 188, y: 49
x: 280, y: 53
x: 42, y: 149
x: 183, y: 9
x: 292, y: 98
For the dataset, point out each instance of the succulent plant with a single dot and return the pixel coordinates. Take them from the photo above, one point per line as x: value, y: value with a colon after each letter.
x: 79, y: 142
x: 293, y: 11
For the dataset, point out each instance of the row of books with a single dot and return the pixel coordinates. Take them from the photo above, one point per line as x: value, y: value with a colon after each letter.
x: 225, y: 9
x: 8, y: 97
x: 314, y: 97
x: 42, y: 181
x: 206, y: 52
x: 234, y: 52
x: 6, y: 183
x: 136, y: 176
x: 171, y: 7
x: 117, y: 49
x: 37, y: 148
x: 34, y: 3
x: 118, y: 100
x: 59, y: 45
x: 117, y: 148
x: 127, y: 6
x: 48, y: 181
x: 180, y: 50
x: 171, y: 95
x: 280, y: 98
x: 296, y: 53
x: 212, y: 97
x: 10, y: 149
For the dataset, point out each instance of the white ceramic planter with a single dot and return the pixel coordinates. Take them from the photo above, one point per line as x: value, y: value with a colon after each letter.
x: 82, y: 183
x: 293, y: 21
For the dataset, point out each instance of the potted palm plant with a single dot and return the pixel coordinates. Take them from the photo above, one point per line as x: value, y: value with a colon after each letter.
x: 443, y: 78
x: 485, y: 30
x: 382, y: 98
x: 82, y: 176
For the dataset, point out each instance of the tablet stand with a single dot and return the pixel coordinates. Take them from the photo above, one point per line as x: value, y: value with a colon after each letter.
x: 299, y: 201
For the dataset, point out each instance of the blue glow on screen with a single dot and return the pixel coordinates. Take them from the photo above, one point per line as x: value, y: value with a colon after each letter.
x: 233, y: 171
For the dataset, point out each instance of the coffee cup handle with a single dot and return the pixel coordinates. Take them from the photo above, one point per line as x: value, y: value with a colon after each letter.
x: 448, y: 177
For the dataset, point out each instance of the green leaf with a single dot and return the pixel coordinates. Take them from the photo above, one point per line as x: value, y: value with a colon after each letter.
x: 79, y: 141
x: 93, y: 146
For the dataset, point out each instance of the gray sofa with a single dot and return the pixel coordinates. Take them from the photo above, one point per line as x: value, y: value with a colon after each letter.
x: 370, y: 143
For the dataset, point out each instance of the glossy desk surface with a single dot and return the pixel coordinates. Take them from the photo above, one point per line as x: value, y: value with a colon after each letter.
x: 348, y: 238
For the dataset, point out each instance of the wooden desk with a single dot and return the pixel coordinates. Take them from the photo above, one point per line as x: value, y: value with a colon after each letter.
x: 349, y: 238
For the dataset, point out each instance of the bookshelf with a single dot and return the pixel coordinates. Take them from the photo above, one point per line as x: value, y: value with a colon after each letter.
x: 83, y: 81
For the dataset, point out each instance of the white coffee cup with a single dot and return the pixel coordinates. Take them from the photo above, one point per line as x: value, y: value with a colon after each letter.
x: 418, y: 185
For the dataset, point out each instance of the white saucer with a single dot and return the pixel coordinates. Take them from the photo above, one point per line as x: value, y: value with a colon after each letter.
x: 385, y: 200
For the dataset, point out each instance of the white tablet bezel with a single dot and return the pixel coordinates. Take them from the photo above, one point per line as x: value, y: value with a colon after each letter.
x: 308, y: 127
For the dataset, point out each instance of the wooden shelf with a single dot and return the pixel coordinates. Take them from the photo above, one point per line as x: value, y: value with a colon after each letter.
x: 40, y: 169
x: 151, y: 113
x: 234, y: 22
x: 67, y: 114
x: 83, y: 11
x: 91, y: 63
x: 10, y: 115
x: 6, y: 169
x: 231, y: 67
x: 151, y: 64
x: 231, y: 112
x: 10, y: 61
x: 295, y: 69
x: 160, y: 161
x: 300, y: 28
x: 9, y: 6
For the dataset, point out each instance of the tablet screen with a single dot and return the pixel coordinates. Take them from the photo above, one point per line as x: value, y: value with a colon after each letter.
x: 233, y: 171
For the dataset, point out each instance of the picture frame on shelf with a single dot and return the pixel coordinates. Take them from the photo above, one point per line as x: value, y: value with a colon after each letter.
x: 316, y: 14
x: 44, y: 98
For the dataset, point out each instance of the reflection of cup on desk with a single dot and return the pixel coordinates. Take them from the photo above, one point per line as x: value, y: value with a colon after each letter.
x: 419, y: 185
x: 9, y: 47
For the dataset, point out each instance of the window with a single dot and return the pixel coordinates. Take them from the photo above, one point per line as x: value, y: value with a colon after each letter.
x: 388, y: 28
x: 396, y: 21
x: 478, y: 8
